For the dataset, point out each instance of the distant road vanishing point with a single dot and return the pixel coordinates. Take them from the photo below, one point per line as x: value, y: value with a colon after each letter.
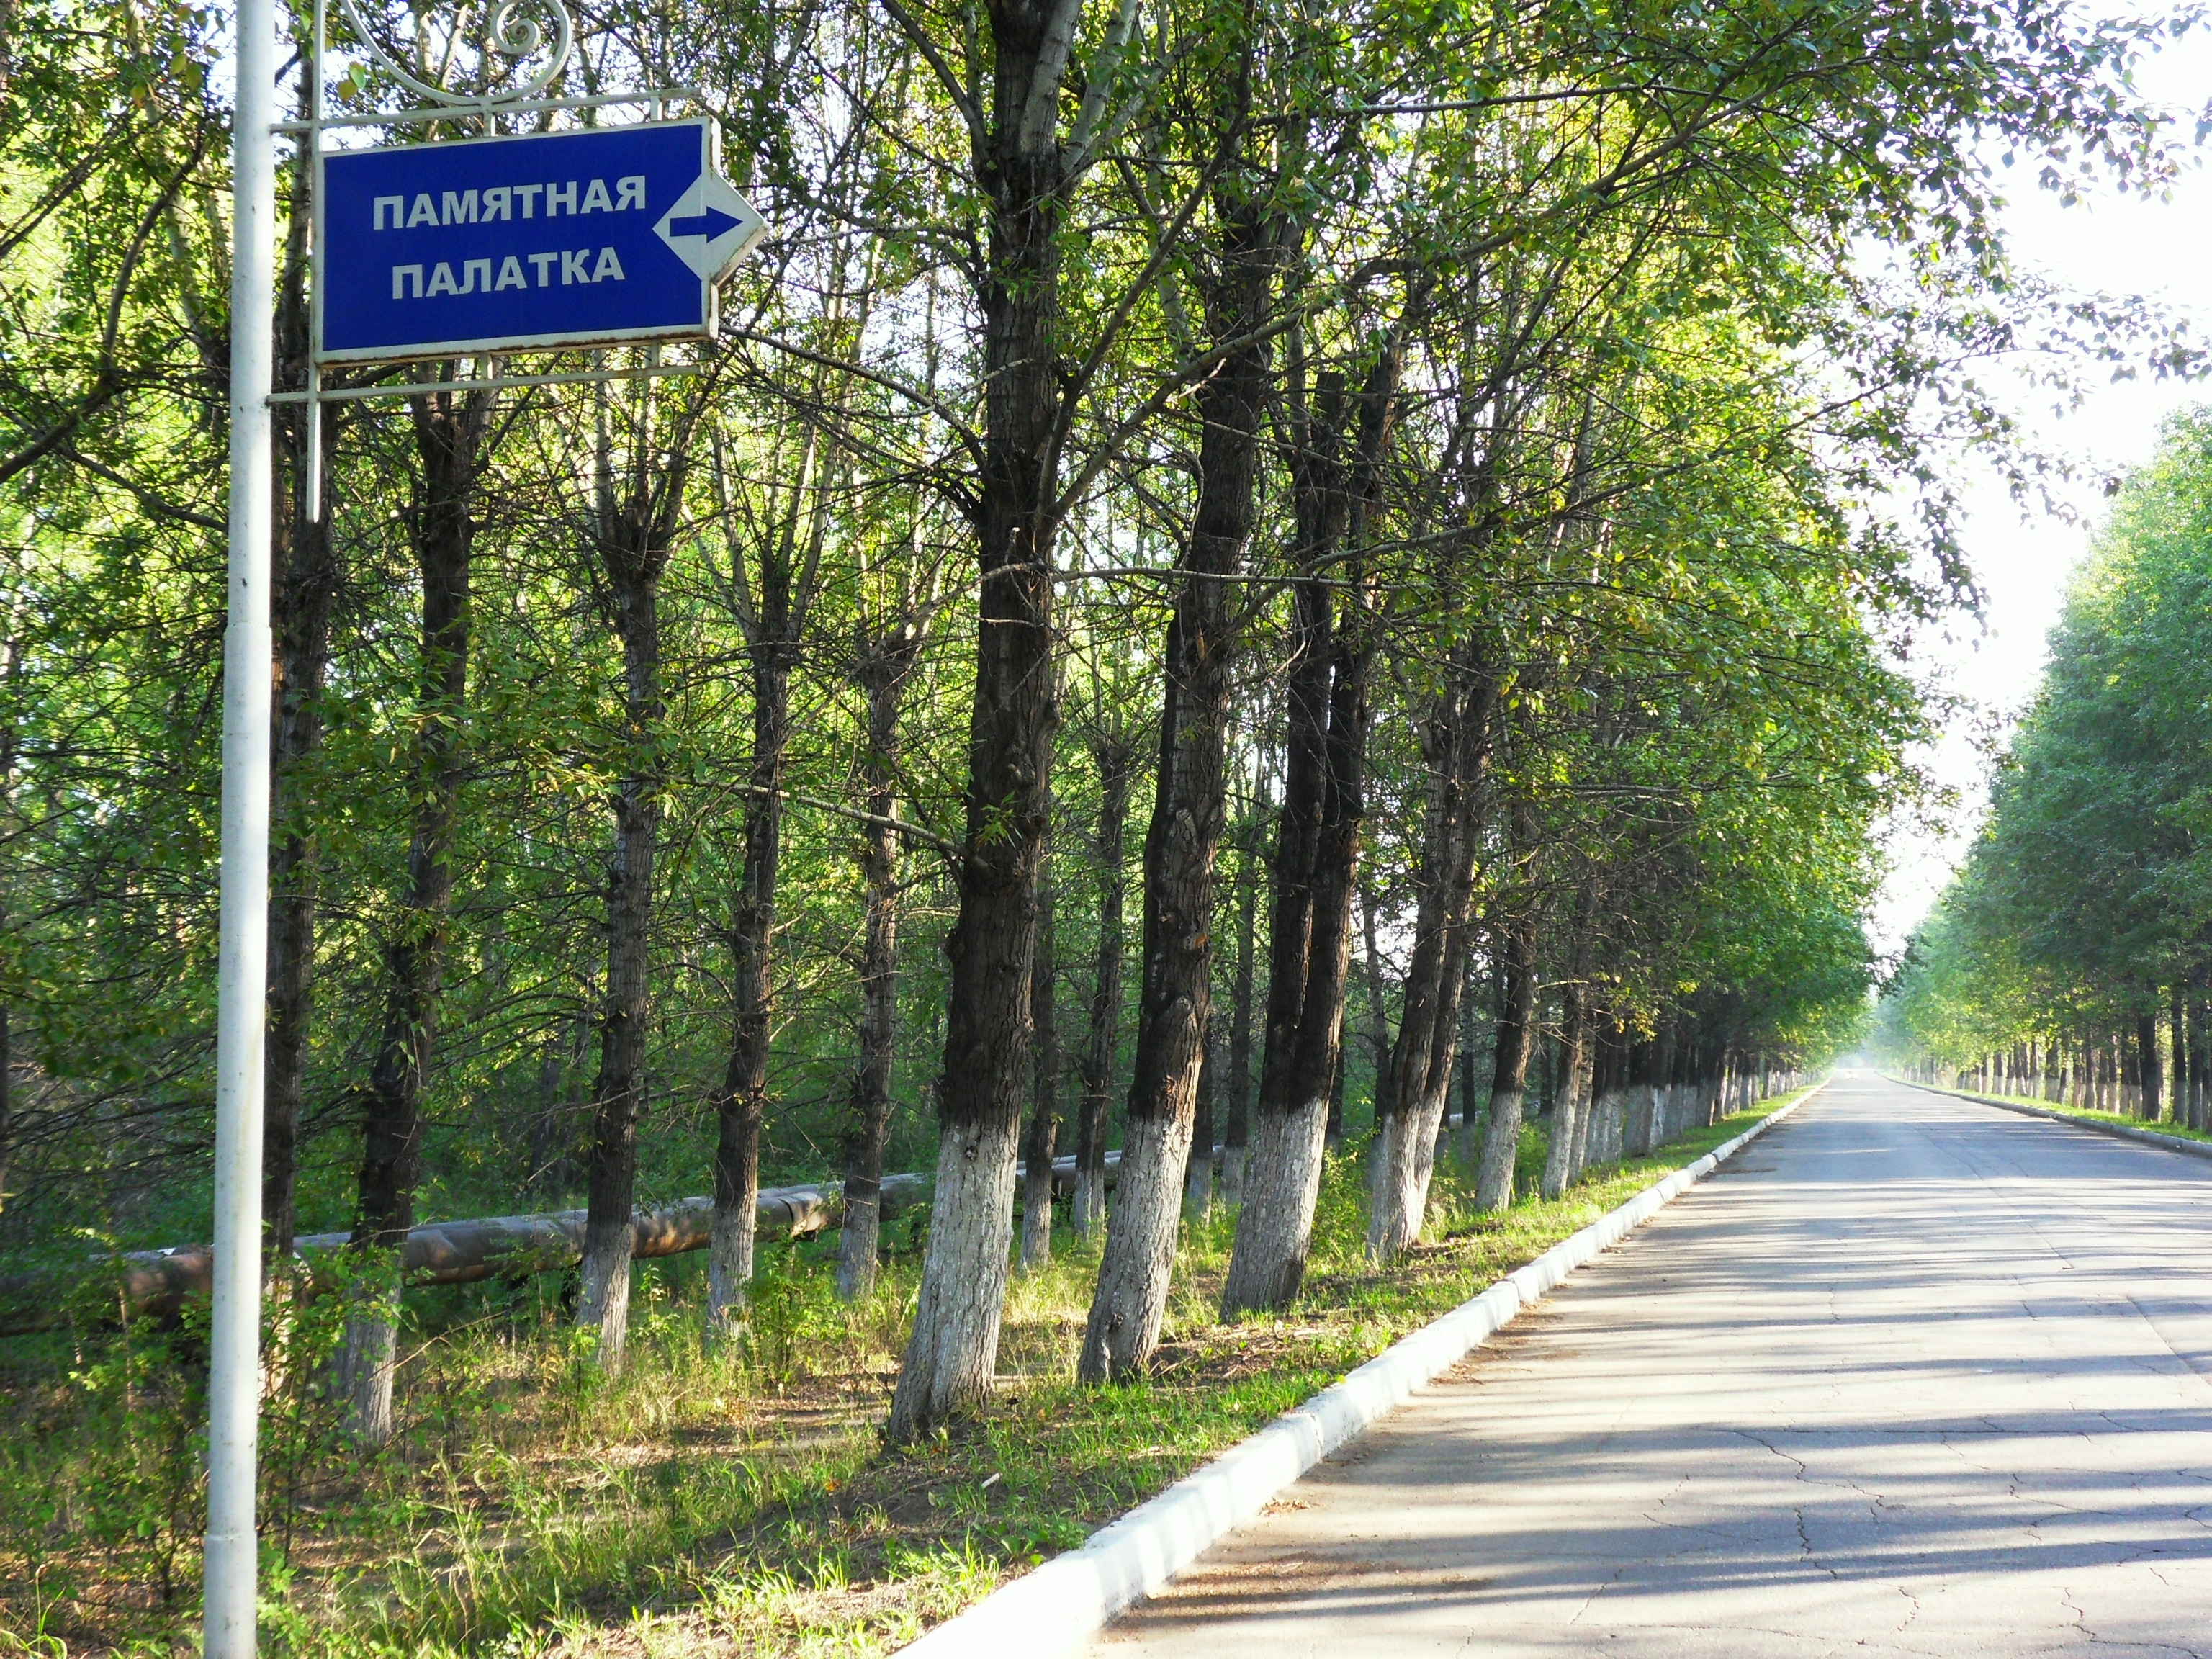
x: 1911, y: 1375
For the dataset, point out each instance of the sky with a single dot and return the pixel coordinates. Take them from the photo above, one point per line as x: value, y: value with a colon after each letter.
x: 2115, y: 246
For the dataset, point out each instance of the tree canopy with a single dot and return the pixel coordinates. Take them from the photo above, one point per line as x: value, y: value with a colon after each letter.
x: 1211, y: 544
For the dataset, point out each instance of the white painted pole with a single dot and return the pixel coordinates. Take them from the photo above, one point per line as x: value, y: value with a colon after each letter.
x: 234, y: 1367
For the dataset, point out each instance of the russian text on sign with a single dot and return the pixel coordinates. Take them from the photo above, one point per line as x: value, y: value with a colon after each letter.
x: 431, y: 250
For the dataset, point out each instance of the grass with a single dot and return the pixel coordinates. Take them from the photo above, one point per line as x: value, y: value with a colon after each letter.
x: 738, y: 1503
x: 2086, y: 1114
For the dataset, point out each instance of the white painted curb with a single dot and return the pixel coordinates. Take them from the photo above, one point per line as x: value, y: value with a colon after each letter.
x: 2125, y: 1131
x: 1049, y: 1612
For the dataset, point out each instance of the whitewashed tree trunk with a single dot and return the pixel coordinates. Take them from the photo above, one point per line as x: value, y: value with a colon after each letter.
x: 1424, y: 1159
x: 859, y: 1237
x: 1087, y: 1208
x: 1037, y: 1219
x: 1198, y: 1184
x: 1131, y: 1301
x: 1501, y: 1141
x: 1605, y: 1131
x: 1574, y: 1089
x: 1281, y: 1185
x: 603, y: 1307
x: 953, y: 1356
x: 1559, y: 1153
x: 729, y: 1272
x: 364, y: 1374
x: 1586, y: 1113
x: 1385, y: 1152
x: 1405, y: 1162
x: 362, y: 1371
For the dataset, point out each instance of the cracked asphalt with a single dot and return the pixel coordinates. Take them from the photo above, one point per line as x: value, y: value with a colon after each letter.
x: 1910, y: 1375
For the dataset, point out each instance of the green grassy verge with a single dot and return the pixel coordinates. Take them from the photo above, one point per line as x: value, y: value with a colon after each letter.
x: 2158, y: 1126
x: 737, y: 1502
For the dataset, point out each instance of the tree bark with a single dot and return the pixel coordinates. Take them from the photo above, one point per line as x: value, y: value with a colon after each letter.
x: 2200, y: 1062
x: 886, y: 661
x: 1114, y: 762
x: 1509, y: 1077
x: 448, y: 434
x: 306, y: 573
x: 741, y: 1103
x: 1318, y: 844
x: 1039, y: 1145
x: 1197, y: 1178
x: 1267, y: 1264
x: 633, y: 524
x: 953, y: 1353
x: 2147, y: 1065
x: 7, y: 1092
x: 11, y: 678
x: 1409, y: 1112
x: 1378, y: 1017
x: 1568, y: 1116
x: 1236, y: 1135
x: 1190, y: 809
x: 1468, y: 1060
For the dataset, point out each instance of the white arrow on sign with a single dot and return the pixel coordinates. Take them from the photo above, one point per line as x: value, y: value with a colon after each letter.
x: 710, y: 226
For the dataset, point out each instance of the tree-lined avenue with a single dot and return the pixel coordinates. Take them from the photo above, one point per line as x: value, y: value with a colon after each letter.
x: 1911, y: 1375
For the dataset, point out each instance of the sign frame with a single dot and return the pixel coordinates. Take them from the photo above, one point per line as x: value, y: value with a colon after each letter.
x: 710, y: 162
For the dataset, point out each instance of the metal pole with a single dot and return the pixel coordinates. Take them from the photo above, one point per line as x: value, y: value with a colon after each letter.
x: 234, y: 1367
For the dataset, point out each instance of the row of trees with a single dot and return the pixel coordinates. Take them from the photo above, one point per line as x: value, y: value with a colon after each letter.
x: 2071, y: 959
x: 1384, y: 508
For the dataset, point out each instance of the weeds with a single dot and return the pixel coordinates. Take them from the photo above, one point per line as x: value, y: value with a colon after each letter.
x: 731, y: 1502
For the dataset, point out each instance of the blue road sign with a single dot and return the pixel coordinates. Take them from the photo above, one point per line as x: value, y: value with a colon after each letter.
x: 562, y: 239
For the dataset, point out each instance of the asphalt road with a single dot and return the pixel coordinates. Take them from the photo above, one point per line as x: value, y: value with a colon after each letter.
x: 1910, y: 1375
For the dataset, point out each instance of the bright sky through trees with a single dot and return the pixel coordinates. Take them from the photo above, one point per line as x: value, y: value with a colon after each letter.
x: 2118, y: 245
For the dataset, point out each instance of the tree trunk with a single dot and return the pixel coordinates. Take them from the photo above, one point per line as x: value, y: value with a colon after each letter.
x: 448, y: 432
x: 306, y: 591
x: 1114, y: 762
x: 1469, y: 1078
x: 741, y: 1103
x: 1274, y: 1229
x: 2146, y: 1067
x: 1571, y: 1110
x: 1183, y: 842
x: 1041, y: 1146
x: 1198, y: 1180
x: 885, y: 663
x: 1509, y: 1078
x: 1236, y: 1134
x: 7, y: 1092
x: 1409, y: 1112
x: 631, y: 532
x: 1318, y: 844
x: 1600, y: 1142
x: 305, y: 572
x: 953, y: 1353
x: 775, y: 622
x: 2200, y: 1064
x: 1378, y: 1016
x: 11, y: 680
x: 1650, y: 1119
x: 1285, y: 1132
x: 1568, y: 1116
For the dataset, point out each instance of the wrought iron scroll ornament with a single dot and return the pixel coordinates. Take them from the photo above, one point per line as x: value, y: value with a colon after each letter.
x: 508, y: 34
x: 537, y: 39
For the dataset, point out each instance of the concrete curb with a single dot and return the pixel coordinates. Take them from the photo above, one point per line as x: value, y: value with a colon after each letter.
x: 1047, y: 1612
x: 2149, y: 1137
